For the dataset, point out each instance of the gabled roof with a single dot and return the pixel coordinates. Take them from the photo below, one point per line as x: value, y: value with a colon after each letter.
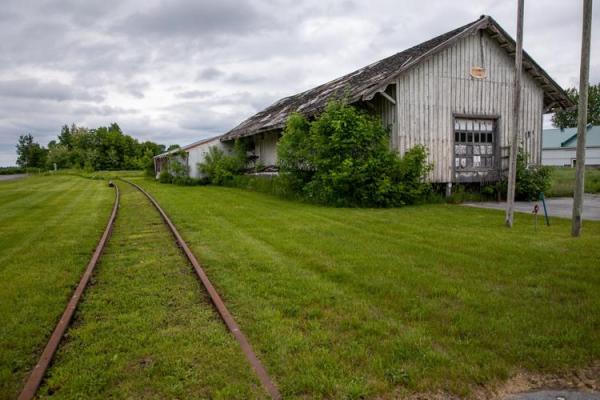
x: 188, y: 147
x: 567, y: 138
x: 366, y: 82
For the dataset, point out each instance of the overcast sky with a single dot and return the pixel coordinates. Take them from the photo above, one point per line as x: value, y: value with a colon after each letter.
x: 177, y: 71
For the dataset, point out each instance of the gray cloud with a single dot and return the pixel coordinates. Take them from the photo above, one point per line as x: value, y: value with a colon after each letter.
x: 52, y: 90
x: 191, y: 94
x: 209, y: 74
x: 177, y: 71
x: 194, y: 18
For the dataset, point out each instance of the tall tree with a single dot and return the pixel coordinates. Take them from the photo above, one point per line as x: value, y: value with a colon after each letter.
x: 568, y: 118
x: 29, y: 153
x: 65, y: 137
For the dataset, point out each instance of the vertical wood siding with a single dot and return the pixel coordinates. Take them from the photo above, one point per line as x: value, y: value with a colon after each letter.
x: 387, y: 111
x: 266, y: 147
x: 430, y: 94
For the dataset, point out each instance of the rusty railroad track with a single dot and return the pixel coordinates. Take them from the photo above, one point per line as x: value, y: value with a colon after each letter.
x: 224, y: 313
x: 35, y: 378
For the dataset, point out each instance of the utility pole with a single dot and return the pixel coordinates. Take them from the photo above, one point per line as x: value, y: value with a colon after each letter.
x: 584, y: 75
x: 512, y: 168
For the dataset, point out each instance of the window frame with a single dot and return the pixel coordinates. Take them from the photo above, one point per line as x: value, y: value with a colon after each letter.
x: 463, y: 138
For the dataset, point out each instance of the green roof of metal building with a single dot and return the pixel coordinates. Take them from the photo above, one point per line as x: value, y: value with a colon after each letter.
x: 567, y: 138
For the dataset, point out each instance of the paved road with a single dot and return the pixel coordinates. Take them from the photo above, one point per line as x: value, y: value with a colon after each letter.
x: 555, y: 395
x: 561, y: 207
x: 11, y: 177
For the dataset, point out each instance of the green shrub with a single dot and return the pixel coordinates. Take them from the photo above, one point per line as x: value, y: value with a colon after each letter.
x: 11, y: 170
x: 260, y: 166
x: 470, y: 192
x: 176, y: 171
x: 220, y: 168
x: 488, y: 191
x: 177, y: 167
x: 164, y: 176
x: 531, y: 179
x: 343, y: 159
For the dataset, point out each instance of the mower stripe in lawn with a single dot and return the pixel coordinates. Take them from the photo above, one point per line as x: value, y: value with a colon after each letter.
x: 35, y: 379
x: 233, y: 327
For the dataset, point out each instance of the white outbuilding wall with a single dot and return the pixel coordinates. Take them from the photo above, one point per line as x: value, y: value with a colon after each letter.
x: 564, y: 157
x: 195, y: 154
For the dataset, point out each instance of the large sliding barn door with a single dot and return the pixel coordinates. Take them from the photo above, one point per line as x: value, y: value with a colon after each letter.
x: 475, y: 155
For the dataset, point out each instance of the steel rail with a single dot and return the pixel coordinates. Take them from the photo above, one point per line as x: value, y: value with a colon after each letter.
x: 228, y: 319
x: 36, y: 376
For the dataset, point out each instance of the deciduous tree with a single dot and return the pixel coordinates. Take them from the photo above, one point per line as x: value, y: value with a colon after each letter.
x: 568, y: 118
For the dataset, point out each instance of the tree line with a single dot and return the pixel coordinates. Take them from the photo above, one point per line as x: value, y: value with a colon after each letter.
x: 568, y: 118
x: 102, y: 148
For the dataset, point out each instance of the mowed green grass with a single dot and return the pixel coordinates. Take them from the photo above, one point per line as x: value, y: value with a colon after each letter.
x: 145, y: 329
x: 48, y: 231
x: 344, y: 303
x: 563, y: 181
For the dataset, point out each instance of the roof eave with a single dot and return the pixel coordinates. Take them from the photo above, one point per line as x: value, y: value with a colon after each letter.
x: 554, y: 95
x: 483, y: 22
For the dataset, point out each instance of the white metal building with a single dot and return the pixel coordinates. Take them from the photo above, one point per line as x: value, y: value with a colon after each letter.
x: 560, y: 144
x: 194, y: 154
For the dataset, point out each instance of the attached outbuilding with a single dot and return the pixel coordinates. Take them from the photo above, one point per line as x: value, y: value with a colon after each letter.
x: 559, y: 148
x: 452, y: 94
x: 190, y: 156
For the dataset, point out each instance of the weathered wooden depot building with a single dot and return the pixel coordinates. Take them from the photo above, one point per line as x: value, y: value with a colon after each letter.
x: 452, y: 94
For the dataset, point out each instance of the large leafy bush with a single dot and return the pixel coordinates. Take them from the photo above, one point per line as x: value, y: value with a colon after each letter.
x: 531, y: 179
x: 343, y: 158
x: 220, y: 168
x: 177, y: 170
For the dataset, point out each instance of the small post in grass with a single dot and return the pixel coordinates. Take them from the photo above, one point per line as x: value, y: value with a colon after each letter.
x: 543, y: 200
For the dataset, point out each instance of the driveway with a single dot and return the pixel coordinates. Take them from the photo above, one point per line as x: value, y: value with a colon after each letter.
x: 11, y: 177
x: 561, y: 207
x: 556, y: 395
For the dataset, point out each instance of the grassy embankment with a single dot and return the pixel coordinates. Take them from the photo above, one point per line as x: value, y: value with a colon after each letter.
x: 362, y: 302
x: 48, y: 231
x: 337, y: 302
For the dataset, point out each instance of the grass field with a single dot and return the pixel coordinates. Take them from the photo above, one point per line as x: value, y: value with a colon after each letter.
x: 145, y: 329
x: 98, y: 174
x: 563, y: 181
x: 338, y: 303
x: 344, y: 303
x: 48, y: 231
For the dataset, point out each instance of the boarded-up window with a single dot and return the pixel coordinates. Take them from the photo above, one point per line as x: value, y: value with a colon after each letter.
x: 474, y: 143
